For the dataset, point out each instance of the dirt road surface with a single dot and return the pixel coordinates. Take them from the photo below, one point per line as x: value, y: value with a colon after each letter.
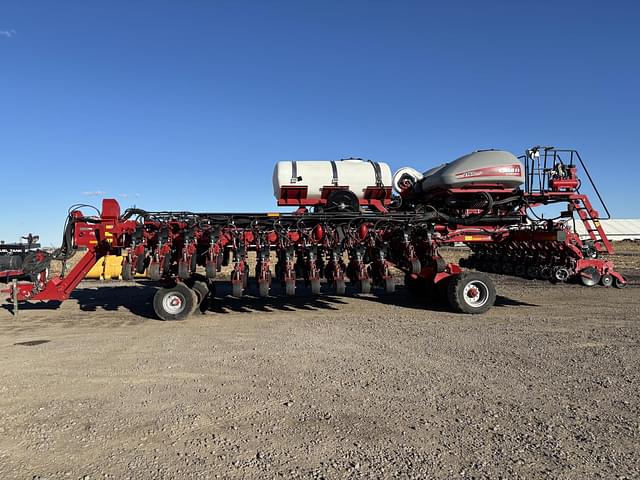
x: 545, y: 385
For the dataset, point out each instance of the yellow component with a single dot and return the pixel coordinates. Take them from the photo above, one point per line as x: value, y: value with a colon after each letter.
x: 112, y: 267
x: 468, y: 238
x: 109, y: 268
x: 273, y: 214
x: 96, y: 271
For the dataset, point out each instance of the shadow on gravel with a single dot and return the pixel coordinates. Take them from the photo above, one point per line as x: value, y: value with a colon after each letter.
x: 138, y: 299
x: 277, y: 301
x: 135, y: 298
x: 402, y: 298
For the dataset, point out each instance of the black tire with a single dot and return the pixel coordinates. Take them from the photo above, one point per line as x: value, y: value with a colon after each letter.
x: 365, y: 285
x: 471, y: 292
x: 342, y: 201
x: 175, y: 303
x: 203, y: 293
x: 263, y: 289
x: 290, y: 288
x: 127, y: 273
x: 141, y: 264
x: 619, y: 283
x: 183, y: 270
x: 211, y: 270
x: 236, y: 289
x: 606, y: 280
x: 389, y: 285
x: 154, y: 272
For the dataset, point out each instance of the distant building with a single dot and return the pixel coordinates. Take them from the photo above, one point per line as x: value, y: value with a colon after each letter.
x: 616, y: 229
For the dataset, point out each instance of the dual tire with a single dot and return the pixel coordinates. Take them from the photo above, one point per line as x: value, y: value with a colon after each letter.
x: 180, y: 301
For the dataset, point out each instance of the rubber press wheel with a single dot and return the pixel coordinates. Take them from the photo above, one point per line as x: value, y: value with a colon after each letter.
x: 471, y: 292
x: 389, y: 285
x: 203, y: 293
x: 175, y: 303
x: 365, y: 285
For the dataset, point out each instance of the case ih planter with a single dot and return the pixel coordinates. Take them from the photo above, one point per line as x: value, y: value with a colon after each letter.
x: 476, y: 200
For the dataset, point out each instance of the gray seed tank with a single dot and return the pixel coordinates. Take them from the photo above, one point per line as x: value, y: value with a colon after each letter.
x: 491, y: 168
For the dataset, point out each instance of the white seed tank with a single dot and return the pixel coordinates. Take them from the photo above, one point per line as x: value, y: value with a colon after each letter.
x: 355, y: 174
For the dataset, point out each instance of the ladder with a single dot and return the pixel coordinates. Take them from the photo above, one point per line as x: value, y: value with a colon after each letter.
x: 591, y: 220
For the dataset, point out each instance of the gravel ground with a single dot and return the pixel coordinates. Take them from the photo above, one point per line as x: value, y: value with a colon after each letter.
x: 545, y: 385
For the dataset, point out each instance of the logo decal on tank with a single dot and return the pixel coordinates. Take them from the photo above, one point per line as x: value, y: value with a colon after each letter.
x: 514, y: 170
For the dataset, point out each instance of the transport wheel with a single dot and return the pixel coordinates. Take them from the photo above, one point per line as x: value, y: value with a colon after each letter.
x: 154, y: 272
x: 606, y: 280
x: 315, y: 287
x: 619, y: 283
x: 560, y: 274
x: 175, y: 303
x: 127, y: 273
x: 290, y: 288
x: 236, y: 289
x: 546, y: 273
x: 589, y: 277
x: 471, y: 292
x: 203, y: 294
x: 389, y: 285
x: 341, y: 287
x: 365, y: 285
x: 263, y: 289
x: 507, y: 268
x: 533, y: 271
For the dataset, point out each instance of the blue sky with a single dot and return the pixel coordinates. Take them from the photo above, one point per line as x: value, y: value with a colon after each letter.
x: 187, y: 104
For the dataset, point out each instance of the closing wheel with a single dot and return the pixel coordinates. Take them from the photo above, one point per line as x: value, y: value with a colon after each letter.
x: 341, y: 286
x: 389, y: 285
x: 365, y: 285
x: 154, y: 272
x: 315, y: 286
x: 203, y: 293
x: 416, y: 266
x: 590, y: 276
x: 290, y: 288
x: 127, y: 273
x: 183, y: 270
x: 471, y: 292
x: 236, y: 289
x: 210, y: 270
x: 141, y: 264
x: 606, y: 280
x: 263, y: 289
x: 175, y: 303
x: 619, y: 283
